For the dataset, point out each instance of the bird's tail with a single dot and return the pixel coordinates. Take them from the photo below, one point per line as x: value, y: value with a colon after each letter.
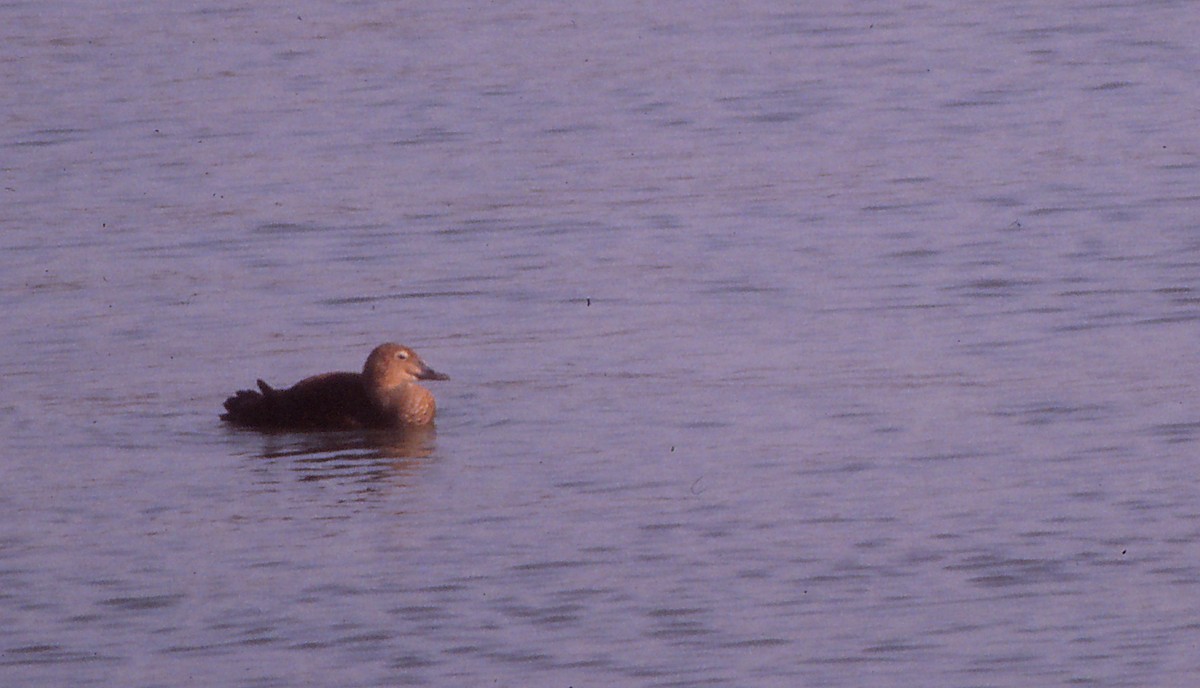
x: 249, y: 407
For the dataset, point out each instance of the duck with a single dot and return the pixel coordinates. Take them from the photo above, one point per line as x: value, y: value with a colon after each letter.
x: 385, y: 395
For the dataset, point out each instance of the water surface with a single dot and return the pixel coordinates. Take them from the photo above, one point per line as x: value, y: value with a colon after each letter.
x: 790, y: 345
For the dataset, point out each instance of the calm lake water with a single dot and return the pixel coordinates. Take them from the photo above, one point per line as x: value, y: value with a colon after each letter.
x: 792, y: 344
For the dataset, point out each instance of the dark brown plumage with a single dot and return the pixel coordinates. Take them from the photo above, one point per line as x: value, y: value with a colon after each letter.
x: 384, y: 395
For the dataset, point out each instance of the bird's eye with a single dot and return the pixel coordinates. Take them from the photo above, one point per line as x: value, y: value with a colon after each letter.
x: 402, y: 355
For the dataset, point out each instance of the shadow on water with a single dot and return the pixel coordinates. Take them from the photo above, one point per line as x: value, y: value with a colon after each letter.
x: 361, y: 456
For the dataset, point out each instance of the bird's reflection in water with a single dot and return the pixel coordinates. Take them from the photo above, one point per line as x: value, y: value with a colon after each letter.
x: 361, y: 456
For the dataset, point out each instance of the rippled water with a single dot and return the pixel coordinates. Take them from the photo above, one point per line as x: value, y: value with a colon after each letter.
x: 791, y: 344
